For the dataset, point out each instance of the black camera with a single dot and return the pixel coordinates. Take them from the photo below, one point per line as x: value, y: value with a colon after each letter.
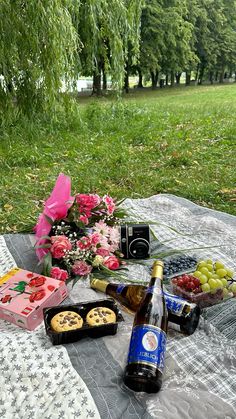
x: 135, y: 241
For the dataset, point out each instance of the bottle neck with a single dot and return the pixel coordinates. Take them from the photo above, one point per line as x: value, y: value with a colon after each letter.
x: 157, y: 276
x: 155, y: 282
x: 99, y: 284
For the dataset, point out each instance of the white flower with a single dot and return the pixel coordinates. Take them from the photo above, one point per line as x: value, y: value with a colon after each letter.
x: 102, y: 228
x: 114, y: 235
x: 97, y: 261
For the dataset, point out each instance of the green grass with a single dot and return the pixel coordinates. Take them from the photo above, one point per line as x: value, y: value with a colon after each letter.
x: 180, y: 141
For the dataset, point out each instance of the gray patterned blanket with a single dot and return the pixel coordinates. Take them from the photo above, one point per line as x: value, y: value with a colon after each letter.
x: 84, y: 379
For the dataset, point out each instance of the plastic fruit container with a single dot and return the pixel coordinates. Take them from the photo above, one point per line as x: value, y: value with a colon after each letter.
x: 202, y: 299
x: 82, y: 309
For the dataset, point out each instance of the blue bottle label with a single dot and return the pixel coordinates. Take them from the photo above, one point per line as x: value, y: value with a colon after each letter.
x: 174, y: 303
x: 120, y: 288
x: 147, y: 346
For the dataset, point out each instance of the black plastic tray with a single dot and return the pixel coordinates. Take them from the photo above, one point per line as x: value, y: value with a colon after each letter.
x: 82, y: 309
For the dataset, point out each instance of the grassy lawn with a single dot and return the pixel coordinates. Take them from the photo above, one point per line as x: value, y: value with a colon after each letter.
x: 180, y: 141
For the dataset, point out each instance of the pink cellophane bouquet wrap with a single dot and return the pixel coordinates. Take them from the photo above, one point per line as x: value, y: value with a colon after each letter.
x: 78, y: 235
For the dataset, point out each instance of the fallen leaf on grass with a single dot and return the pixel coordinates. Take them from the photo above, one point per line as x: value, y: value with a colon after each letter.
x: 8, y: 207
x: 227, y: 191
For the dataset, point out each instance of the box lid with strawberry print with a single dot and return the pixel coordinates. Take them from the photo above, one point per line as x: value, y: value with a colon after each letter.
x: 20, y: 288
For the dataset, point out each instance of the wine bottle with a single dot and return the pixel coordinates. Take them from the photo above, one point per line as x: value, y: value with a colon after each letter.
x: 146, y: 354
x: 128, y: 295
x: 182, y: 315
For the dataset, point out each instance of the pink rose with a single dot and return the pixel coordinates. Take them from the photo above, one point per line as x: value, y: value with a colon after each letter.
x: 59, y: 245
x: 111, y: 262
x: 87, y: 202
x: 81, y: 268
x: 84, y: 219
x: 110, y: 204
x: 95, y: 238
x: 84, y: 243
x: 58, y: 273
x: 102, y: 252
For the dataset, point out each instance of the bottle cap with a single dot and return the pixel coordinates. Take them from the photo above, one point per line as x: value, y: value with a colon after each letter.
x: 158, y: 263
x: 157, y: 269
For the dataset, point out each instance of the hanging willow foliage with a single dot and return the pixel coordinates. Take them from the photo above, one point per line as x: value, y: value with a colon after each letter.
x: 45, y: 43
x: 38, y: 42
x: 106, y: 29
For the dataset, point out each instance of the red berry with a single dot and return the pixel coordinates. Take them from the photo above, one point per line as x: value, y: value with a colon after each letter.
x: 180, y: 283
x: 196, y: 282
x: 190, y: 285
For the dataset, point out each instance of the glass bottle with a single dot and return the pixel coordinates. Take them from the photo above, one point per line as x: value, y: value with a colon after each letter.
x: 182, y: 315
x: 146, y: 354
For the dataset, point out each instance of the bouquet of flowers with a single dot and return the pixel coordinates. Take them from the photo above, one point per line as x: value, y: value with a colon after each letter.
x: 78, y: 235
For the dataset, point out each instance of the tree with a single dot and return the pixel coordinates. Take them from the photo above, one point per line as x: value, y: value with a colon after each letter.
x: 38, y: 43
x: 106, y: 29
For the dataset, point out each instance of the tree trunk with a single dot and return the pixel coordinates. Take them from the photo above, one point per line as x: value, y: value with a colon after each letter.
x: 177, y: 76
x: 188, y: 78
x: 211, y: 77
x: 216, y: 76
x: 104, y: 80
x: 154, y: 78
x: 140, y: 79
x: 201, y: 74
x: 196, y: 76
x: 97, y: 86
x: 221, y: 79
x: 167, y: 79
x: 172, y: 78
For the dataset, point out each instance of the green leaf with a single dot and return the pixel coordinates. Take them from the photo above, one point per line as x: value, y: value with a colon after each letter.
x: 49, y: 220
x: 43, y: 246
x: 43, y: 238
x: 47, y: 264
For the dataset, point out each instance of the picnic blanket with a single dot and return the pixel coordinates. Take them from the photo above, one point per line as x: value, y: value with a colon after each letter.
x: 84, y: 379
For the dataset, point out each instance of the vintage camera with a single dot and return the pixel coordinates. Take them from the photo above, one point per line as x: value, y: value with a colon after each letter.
x: 135, y: 241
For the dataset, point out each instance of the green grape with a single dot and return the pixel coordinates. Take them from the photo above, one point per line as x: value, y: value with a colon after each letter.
x: 209, y: 267
x: 212, y: 283
x: 197, y: 274
x: 205, y: 287
x: 209, y: 262
x: 219, y: 283
x: 233, y: 288
x: 209, y: 275
x: 225, y: 293
x: 219, y: 265
x: 203, y: 279
x: 201, y: 264
x: 230, y: 273
x: 215, y: 276
x: 224, y: 282
x: 204, y: 270
x: 221, y: 272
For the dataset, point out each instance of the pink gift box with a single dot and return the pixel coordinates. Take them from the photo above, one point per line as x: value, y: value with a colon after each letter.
x: 24, y: 295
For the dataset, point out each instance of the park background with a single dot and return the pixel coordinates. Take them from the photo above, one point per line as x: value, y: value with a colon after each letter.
x: 130, y: 98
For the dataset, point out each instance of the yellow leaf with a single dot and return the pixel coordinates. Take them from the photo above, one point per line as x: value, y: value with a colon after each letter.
x: 226, y: 190
x: 8, y: 207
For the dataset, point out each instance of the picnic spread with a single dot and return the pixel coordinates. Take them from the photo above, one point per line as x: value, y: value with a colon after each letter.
x: 43, y: 376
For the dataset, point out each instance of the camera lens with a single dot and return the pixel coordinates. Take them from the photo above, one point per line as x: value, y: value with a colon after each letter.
x: 139, y: 248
